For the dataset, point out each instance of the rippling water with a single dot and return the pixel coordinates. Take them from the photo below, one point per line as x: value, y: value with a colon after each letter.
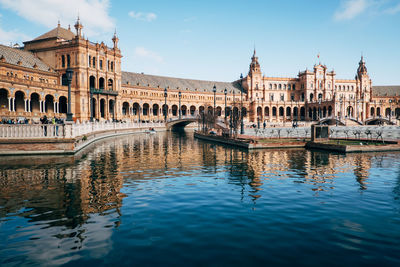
x: 167, y: 199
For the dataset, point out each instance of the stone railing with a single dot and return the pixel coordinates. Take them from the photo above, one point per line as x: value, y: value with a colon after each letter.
x: 32, y: 131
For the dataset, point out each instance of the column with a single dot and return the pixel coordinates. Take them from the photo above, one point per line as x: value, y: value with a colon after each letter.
x: 54, y: 107
x: 29, y: 106
x: 25, y: 105
x: 9, y: 104
x: 40, y: 106
x: 44, y: 106
x: 13, y: 104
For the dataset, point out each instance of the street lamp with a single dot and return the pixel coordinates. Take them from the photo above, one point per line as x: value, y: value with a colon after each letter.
x: 225, y: 92
x: 180, y: 95
x: 241, y: 105
x: 390, y: 110
x: 69, y: 73
x: 165, y: 105
x: 215, y: 91
x: 258, y: 116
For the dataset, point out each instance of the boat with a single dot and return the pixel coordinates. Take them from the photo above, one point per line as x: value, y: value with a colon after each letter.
x: 150, y: 131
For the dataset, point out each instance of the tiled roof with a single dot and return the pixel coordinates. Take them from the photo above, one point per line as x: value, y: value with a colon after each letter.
x: 174, y: 83
x: 58, y: 32
x: 389, y: 90
x: 22, y: 58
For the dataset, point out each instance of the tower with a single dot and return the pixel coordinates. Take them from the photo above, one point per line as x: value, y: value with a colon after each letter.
x: 363, y: 92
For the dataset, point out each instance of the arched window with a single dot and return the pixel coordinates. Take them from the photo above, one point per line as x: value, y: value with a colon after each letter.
x: 94, y: 62
x: 62, y: 61
x: 110, y: 84
x: 101, y: 83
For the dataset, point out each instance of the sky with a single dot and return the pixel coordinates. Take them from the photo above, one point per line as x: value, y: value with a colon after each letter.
x: 214, y: 40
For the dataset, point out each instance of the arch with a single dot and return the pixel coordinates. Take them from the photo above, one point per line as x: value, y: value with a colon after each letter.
x: 319, y: 96
x: 218, y: 111
x: 266, y: 111
x: 135, y: 108
x: 310, y: 113
x: 324, y: 112
x: 378, y: 111
x: 311, y: 97
x: 62, y: 102
x: 19, y: 101
x: 92, y: 82
x: 192, y: 110
x: 210, y: 110
x: 146, y: 109
x: 49, y: 103
x: 101, y: 83
x: 314, y: 113
x: 288, y: 112
x: 110, y: 84
x: 295, y: 112
x: 372, y: 112
x: 102, y: 108
x: 350, y: 111
x: 387, y: 112
x: 174, y: 110
x: 165, y: 109
x: 183, y: 110
x: 201, y: 109
x: 156, y: 107
x: 35, y: 105
x: 281, y: 111
x: 93, y: 107
x: 330, y: 109
x: 397, y: 112
x: 259, y: 112
x: 302, y: 113
x: 228, y: 111
x: 274, y: 113
x: 244, y: 112
x: 4, y: 99
x: 125, y: 108
x: 111, y: 107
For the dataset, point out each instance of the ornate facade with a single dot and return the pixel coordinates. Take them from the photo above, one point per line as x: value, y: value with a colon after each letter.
x: 33, y: 84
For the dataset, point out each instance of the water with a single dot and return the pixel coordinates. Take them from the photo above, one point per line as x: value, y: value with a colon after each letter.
x: 167, y: 199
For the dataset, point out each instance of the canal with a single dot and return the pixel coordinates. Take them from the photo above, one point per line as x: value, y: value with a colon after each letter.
x: 168, y: 199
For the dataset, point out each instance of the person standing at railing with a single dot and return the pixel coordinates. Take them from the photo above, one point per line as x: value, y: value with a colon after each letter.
x: 44, y: 120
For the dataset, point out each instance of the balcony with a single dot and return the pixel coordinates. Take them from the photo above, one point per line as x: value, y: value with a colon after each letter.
x: 103, y: 92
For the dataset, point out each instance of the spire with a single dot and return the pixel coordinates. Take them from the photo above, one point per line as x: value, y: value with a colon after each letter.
x: 115, y: 39
x: 58, y: 25
x: 362, y: 69
x: 78, y: 27
x: 254, y: 65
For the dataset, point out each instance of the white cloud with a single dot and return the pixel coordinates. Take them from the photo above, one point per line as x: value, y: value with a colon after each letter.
x: 93, y: 13
x: 142, y: 16
x: 393, y: 10
x: 8, y: 37
x: 147, y: 54
x: 351, y: 9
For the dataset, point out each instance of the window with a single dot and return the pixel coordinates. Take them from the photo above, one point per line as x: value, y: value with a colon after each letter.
x: 311, y: 85
x: 63, y: 61
x: 101, y: 64
x: 289, y: 86
x: 280, y: 86
x: 271, y: 97
x: 292, y: 97
x: 68, y: 61
x: 270, y: 86
x: 112, y: 65
x: 94, y: 62
x: 90, y: 60
x: 294, y: 87
x: 282, y: 97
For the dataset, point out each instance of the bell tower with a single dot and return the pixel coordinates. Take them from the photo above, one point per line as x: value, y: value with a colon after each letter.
x: 254, y: 79
x: 364, y: 85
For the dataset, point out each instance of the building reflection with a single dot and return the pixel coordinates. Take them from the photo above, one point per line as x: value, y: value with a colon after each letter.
x: 69, y: 192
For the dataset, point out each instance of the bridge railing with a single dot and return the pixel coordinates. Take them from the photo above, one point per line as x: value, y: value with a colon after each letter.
x: 32, y: 131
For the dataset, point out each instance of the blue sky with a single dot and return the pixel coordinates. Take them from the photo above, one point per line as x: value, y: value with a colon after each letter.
x: 214, y: 40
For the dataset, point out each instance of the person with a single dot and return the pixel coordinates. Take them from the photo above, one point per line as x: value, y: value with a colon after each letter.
x: 44, y: 120
x: 264, y: 125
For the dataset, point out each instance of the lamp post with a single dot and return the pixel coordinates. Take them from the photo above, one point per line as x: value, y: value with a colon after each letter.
x: 69, y: 74
x: 241, y: 105
x: 214, y: 91
x: 390, y: 110
x: 258, y: 116
x: 165, y: 105
x: 225, y: 92
x: 180, y: 95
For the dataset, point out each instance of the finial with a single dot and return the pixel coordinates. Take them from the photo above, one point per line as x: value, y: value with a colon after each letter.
x: 58, y: 25
x: 69, y: 26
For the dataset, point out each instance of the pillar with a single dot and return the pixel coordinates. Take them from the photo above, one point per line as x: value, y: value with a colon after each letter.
x: 9, y: 104
x: 25, y: 105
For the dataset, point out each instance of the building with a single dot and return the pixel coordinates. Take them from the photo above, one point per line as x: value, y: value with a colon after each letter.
x: 33, y: 84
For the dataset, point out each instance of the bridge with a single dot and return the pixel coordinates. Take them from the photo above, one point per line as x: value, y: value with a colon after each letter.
x: 176, y: 123
x: 380, y: 121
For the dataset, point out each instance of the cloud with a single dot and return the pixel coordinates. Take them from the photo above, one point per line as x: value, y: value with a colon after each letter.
x: 93, y: 13
x: 142, y: 16
x: 351, y: 9
x: 8, y: 37
x: 393, y: 10
x: 147, y: 54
